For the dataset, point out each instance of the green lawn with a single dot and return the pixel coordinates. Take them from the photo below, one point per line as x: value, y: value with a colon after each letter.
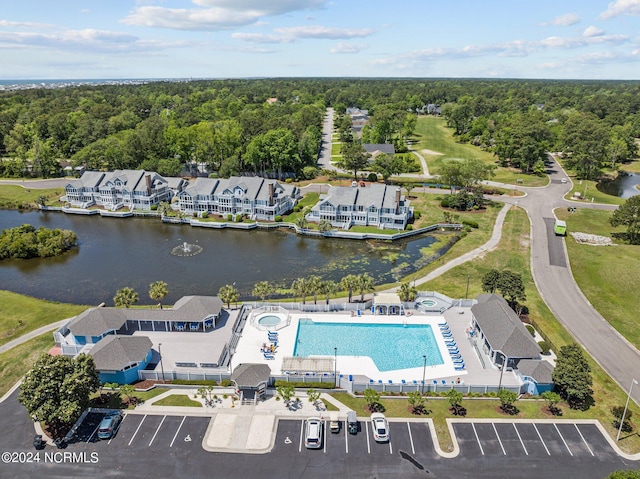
x: 608, y: 276
x: 13, y: 195
x: 309, y: 200
x: 433, y: 135
x: 588, y: 190
x: 17, y: 361
x: 335, y: 149
x: 20, y: 314
x: 177, y: 400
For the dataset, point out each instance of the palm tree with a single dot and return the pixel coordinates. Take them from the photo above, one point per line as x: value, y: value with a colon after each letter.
x: 228, y: 294
x: 324, y: 226
x: 125, y: 297
x: 365, y: 284
x: 348, y: 283
x: 407, y: 292
x: 158, y: 291
x: 164, y: 209
x: 328, y: 288
x: 300, y: 287
x: 263, y: 290
x: 314, y: 283
x: 302, y: 223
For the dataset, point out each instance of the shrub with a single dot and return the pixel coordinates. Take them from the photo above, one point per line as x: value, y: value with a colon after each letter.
x: 305, y: 384
x: 278, y: 219
x: 373, y: 177
x: 297, y: 208
x: 545, y: 347
x: 195, y: 382
x: 289, y: 180
x: 239, y: 218
x: 531, y: 329
x: 226, y: 382
x: 409, y: 227
x: 471, y: 223
x: 154, y: 207
x: 445, y: 202
x: 229, y: 217
x: 417, y: 214
x: 205, y: 214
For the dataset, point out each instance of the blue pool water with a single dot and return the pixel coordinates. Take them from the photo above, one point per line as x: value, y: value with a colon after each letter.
x: 391, y: 346
x: 269, y: 320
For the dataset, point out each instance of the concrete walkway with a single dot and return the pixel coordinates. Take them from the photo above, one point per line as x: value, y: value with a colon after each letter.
x: 33, y: 334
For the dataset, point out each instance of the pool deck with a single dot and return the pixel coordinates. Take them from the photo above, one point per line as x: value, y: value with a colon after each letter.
x: 248, y: 349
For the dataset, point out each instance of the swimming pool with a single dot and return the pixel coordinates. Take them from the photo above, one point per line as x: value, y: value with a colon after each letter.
x: 390, y: 346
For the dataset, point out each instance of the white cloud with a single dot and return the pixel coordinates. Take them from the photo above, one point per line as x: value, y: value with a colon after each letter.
x: 7, y: 23
x: 592, y: 31
x: 344, y: 47
x: 564, y: 20
x: 316, y: 31
x: 215, y: 14
x: 261, y: 38
x: 621, y: 7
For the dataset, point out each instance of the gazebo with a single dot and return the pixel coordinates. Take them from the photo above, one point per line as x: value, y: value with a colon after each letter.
x: 387, y: 304
x: 251, y: 381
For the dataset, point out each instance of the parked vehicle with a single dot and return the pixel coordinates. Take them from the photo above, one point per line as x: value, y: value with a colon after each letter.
x: 38, y: 443
x: 560, y: 228
x: 334, y: 423
x: 109, y: 425
x: 352, y: 422
x: 380, y: 427
x: 313, y: 433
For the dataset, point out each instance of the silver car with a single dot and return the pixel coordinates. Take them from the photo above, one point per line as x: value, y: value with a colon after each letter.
x: 313, y: 433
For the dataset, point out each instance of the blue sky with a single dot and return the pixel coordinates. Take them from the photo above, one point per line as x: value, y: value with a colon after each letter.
x: 79, y: 39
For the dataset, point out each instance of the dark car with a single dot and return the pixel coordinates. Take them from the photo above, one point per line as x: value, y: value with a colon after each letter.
x: 109, y: 425
x: 38, y: 442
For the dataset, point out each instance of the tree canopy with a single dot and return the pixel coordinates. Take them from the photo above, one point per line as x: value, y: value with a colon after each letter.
x: 26, y: 242
x: 572, y: 377
x: 628, y: 214
x: 57, y: 389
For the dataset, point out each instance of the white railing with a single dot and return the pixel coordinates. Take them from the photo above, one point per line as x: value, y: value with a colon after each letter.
x: 270, y: 308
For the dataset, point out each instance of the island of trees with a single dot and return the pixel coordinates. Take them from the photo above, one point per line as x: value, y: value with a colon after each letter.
x: 26, y: 242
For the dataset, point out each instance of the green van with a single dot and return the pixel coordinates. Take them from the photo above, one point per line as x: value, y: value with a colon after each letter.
x: 560, y: 228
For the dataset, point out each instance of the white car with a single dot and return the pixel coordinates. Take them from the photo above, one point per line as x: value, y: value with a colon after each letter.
x: 313, y: 433
x: 380, y: 427
x: 563, y: 180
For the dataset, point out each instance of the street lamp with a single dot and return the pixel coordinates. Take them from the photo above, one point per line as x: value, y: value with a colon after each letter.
x: 161, y: 366
x: 505, y: 361
x: 335, y: 367
x: 466, y: 294
x: 424, y: 372
x: 633, y: 381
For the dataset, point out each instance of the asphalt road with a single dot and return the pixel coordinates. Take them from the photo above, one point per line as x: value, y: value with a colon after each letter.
x: 556, y: 284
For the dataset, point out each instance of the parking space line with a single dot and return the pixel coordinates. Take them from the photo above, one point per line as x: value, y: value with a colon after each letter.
x: 541, y: 440
x: 518, y: 433
x: 413, y: 449
x: 583, y: 439
x: 565, y: 442
x: 301, y: 434
x: 477, y: 438
x: 156, y: 433
x: 346, y: 438
x: 137, y: 429
x: 366, y: 426
x: 94, y: 431
x: 176, y: 434
x: 117, y: 429
x: 498, y: 436
x: 324, y: 429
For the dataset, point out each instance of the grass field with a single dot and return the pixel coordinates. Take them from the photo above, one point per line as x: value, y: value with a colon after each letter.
x: 17, y: 195
x: 434, y: 136
x: 588, y: 190
x: 17, y: 361
x: 608, y: 276
x: 513, y: 253
x: 20, y: 314
x: 177, y: 400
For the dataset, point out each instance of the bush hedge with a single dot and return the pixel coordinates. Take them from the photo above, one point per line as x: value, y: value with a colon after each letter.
x: 305, y: 384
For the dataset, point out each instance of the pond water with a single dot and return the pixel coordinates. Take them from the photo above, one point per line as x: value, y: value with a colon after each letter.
x: 624, y: 185
x: 118, y: 252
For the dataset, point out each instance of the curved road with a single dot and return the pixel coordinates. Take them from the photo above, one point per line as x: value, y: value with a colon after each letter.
x: 553, y: 276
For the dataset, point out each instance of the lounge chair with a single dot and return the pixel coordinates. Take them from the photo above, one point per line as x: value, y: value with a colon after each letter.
x: 268, y: 356
x: 359, y: 313
x: 456, y: 356
x: 370, y: 381
x: 450, y: 342
x: 460, y: 367
x: 403, y: 381
x: 435, y: 381
x: 443, y: 324
x: 444, y: 382
x: 390, y: 381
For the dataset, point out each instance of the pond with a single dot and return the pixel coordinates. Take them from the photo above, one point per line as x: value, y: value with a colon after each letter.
x: 623, y: 186
x: 118, y: 252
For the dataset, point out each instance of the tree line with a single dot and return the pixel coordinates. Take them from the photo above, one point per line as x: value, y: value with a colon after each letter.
x: 229, y: 126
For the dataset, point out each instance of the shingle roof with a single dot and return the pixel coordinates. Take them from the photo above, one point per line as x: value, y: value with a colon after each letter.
x: 114, y: 353
x: 250, y: 374
x: 97, y: 321
x: 537, y: 369
x: 379, y: 147
x: 89, y: 179
x: 502, y: 328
